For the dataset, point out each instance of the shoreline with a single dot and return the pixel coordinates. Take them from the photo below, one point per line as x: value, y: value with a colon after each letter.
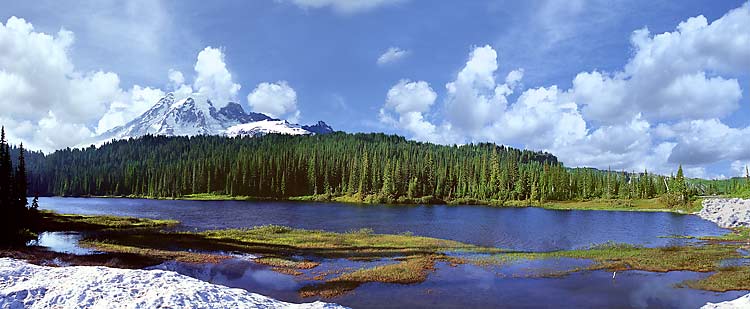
x: 636, y: 205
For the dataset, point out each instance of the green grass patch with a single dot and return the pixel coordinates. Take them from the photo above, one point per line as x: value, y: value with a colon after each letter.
x: 280, y: 241
x: 701, y: 258
x: 285, y: 263
x: 156, y: 254
x: 652, y: 204
x: 410, y: 270
x: 738, y: 234
x: 363, y: 240
x: 726, y: 279
x: 51, y: 221
x: 214, y: 197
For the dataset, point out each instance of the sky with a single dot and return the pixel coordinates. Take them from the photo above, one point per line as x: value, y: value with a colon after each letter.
x: 626, y: 85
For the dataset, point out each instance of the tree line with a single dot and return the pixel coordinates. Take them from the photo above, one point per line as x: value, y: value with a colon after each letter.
x: 372, y: 167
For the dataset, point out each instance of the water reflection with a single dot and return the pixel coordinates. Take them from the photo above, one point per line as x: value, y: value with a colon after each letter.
x: 63, y: 242
x: 518, y: 284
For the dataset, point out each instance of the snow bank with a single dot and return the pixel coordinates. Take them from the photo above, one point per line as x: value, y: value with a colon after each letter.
x: 24, y: 285
x: 739, y: 303
x: 726, y: 212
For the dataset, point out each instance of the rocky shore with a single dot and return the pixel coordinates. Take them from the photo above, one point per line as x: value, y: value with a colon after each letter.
x: 726, y: 212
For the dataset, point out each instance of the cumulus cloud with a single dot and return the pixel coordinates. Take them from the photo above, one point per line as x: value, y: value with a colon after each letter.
x: 706, y: 141
x: 213, y: 80
x: 345, y: 6
x: 474, y: 99
x: 662, y: 109
x: 176, y: 78
x: 673, y: 75
x: 392, y: 55
x: 42, y: 93
x: 278, y: 100
x: 409, y: 100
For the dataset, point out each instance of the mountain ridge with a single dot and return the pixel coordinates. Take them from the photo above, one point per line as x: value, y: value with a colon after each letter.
x: 190, y: 117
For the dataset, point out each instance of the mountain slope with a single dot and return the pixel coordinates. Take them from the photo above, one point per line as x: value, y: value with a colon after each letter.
x: 190, y: 117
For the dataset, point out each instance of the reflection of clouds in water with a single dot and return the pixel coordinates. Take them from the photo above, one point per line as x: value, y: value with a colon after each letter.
x: 479, y: 277
x: 233, y: 273
x: 651, y: 290
x: 272, y: 279
x: 64, y: 242
x: 654, y: 293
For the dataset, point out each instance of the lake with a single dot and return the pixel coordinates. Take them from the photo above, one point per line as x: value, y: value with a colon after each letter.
x: 511, y: 285
x: 528, y: 229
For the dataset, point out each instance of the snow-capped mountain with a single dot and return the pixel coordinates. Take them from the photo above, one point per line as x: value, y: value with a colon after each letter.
x: 189, y: 117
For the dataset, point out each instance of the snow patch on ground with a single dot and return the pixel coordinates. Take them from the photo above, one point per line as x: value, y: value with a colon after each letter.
x: 726, y: 212
x: 739, y: 303
x: 24, y: 285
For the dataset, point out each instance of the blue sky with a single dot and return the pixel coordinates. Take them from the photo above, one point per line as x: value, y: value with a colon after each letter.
x: 326, y: 53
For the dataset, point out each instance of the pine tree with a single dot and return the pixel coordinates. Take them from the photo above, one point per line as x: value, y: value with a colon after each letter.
x: 678, y: 185
x: 35, y: 203
x: 387, y: 189
x: 20, y: 178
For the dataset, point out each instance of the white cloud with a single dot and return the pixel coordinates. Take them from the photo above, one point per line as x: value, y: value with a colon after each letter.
x: 473, y: 99
x: 408, y: 96
x: 345, y: 6
x: 673, y: 75
x: 409, y: 100
x: 40, y: 90
x: 663, y: 109
x: 213, y: 80
x: 707, y: 141
x: 542, y: 118
x: 277, y: 100
x: 176, y: 78
x: 392, y: 55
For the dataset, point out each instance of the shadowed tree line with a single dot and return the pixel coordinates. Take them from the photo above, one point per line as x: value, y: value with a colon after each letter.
x: 17, y: 217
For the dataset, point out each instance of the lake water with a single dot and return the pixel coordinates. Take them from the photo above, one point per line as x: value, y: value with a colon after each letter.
x: 470, y: 286
x: 463, y: 286
x: 528, y: 229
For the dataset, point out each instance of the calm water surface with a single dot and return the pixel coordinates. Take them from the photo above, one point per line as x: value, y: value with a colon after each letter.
x: 469, y: 286
x: 531, y: 229
x: 515, y: 285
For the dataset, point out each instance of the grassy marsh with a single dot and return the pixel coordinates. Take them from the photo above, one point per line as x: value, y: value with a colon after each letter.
x: 52, y: 221
x: 414, y: 257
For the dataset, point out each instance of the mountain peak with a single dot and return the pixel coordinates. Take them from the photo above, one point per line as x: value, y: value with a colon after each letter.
x: 189, y: 117
x: 319, y: 128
